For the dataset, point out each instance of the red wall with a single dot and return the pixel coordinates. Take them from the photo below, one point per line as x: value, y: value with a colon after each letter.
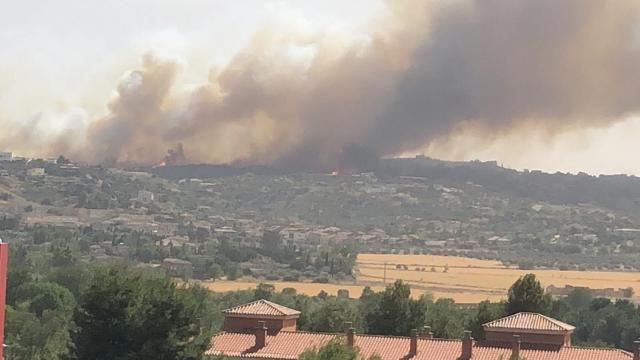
x: 529, y: 338
x: 249, y: 324
x: 4, y: 260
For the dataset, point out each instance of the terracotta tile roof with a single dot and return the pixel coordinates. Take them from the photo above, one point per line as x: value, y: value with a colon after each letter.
x: 289, y: 345
x: 529, y: 321
x: 284, y: 345
x: 262, y: 308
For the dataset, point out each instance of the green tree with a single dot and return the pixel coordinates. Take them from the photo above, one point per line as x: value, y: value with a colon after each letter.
x: 486, y: 312
x: 264, y: 291
x: 39, y: 297
x: 335, y: 349
x: 446, y: 319
x: 62, y: 256
x: 332, y: 314
x: 527, y: 295
x: 32, y: 338
x: 579, y: 298
x: 124, y: 315
x: 396, y: 312
x: 368, y: 303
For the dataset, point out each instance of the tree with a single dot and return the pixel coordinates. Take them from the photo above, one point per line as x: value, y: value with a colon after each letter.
x: 62, y: 160
x: 332, y: 314
x: 124, y: 315
x: 579, y: 298
x: 369, y: 301
x: 486, y: 312
x: 396, y: 312
x: 527, y: 295
x: 39, y: 297
x: 62, y: 256
x: 335, y: 349
x: 33, y: 338
x: 264, y: 291
x: 446, y: 319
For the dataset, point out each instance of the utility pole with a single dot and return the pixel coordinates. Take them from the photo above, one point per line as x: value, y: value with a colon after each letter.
x: 384, y: 279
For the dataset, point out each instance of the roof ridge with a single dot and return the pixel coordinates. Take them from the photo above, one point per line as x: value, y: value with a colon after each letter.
x: 344, y: 334
x: 555, y: 322
x: 597, y: 348
x: 281, y: 309
x: 356, y: 334
x: 311, y: 332
x: 384, y: 336
x: 241, y: 305
x: 277, y: 306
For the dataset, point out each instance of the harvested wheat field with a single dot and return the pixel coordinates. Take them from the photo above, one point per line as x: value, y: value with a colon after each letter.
x: 473, y: 280
x: 465, y: 280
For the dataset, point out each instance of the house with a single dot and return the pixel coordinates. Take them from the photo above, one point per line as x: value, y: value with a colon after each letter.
x: 178, y: 267
x: 531, y: 328
x: 625, y: 293
x: 6, y: 156
x: 173, y: 241
x: 265, y: 330
x: 36, y: 172
x: 260, y: 314
x: 145, y: 196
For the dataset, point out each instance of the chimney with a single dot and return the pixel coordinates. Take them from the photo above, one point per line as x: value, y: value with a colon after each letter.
x: 636, y: 349
x: 261, y: 335
x: 414, y: 343
x: 515, y: 347
x: 467, y: 346
x: 426, y: 333
x: 351, y: 334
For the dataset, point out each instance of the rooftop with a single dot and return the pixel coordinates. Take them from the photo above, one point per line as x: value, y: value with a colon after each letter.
x: 176, y: 261
x: 262, y: 308
x: 289, y: 345
x: 533, y: 337
x: 528, y: 321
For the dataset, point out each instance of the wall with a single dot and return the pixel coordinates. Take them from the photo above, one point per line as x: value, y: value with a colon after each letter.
x: 245, y: 324
x: 528, y: 338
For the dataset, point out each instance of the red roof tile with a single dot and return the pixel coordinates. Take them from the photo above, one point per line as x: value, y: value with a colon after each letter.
x: 262, y: 308
x: 289, y: 345
x: 284, y: 345
x: 529, y: 321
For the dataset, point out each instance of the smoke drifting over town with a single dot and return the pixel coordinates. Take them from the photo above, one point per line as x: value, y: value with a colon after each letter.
x: 426, y: 70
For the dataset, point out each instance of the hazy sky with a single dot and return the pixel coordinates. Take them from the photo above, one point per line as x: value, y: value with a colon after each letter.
x: 67, y: 56
x: 75, y: 50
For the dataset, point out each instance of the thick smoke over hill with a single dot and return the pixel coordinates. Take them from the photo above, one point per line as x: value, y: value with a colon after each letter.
x: 427, y: 69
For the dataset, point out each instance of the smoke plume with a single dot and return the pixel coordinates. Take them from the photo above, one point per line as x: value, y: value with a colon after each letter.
x: 425, y: 70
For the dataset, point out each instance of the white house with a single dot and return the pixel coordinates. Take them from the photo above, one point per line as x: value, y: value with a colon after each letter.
x: 6, y: 156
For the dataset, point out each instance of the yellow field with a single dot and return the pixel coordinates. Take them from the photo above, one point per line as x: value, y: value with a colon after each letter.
x: 472, y: 280
x: 466, y: 280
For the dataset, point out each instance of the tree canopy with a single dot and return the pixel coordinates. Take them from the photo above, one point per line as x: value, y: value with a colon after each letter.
x: 335, y: 350
x: 125, y: 315
x: 527, y: 295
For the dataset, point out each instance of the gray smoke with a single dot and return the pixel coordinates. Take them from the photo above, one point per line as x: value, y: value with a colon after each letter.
x: 558, y: 63
x: 427, y: 69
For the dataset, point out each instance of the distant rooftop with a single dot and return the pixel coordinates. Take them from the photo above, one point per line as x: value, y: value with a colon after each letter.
x: 529, y: 321
x: 262, y: 308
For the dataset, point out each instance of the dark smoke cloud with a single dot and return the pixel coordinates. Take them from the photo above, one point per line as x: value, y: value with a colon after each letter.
x: 427, y: 69
x: 559, y: 63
